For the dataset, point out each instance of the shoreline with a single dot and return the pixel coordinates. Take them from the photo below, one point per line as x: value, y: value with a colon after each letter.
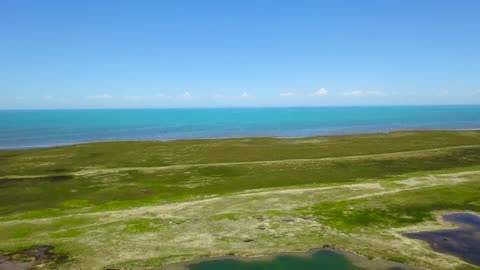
x: 59, y: 145
x: 353, y: 257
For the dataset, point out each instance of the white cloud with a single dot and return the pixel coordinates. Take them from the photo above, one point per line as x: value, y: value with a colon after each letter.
x: 355, y: 93
x: 218, y: 96
x: 320, y: 92
x: 187, y: 94
x: 243, y: 95
x: 132, y: 97
x: 287, y: 94
x: 361, y: 93
x: 146, y: 97
x: 136, y: 97
x: 443, y: 93
x: 100, y: 97
x: 375, y: 93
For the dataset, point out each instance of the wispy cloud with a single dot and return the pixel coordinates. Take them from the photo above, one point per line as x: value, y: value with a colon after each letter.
x: 320, y: 92
x: 287, y: 94
x: 136, y: 97
x: 186, y: 94
x: 243, y: 95
x: 361, y: 93
x: 376, y: 93
x: 99, y: 97
x: 443, y: 93
x: 145, y: 97
x: 216, y: 96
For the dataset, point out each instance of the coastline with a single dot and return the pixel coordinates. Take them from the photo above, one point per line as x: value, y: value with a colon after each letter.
x: 389, y: 131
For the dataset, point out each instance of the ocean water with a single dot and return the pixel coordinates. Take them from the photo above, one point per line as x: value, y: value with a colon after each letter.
x: 43, y: 128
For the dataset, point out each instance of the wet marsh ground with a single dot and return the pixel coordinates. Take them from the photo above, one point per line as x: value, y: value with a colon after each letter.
x: 135, y: 205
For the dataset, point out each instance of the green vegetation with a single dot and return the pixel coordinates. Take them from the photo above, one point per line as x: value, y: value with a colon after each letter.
x: 397, y: 210
x: 133, y: 204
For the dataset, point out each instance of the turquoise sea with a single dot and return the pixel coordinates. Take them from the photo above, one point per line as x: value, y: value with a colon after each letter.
x: 43, y: 128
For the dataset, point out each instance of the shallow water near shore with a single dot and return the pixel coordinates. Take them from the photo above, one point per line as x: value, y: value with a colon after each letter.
x: 462, y: 242
x: 324, y: 259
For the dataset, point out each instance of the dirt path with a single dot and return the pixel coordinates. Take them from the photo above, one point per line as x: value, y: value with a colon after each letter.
x: 269, y: 162
x: 428, y: 181
x: 372, y: 189
x: 100, y: 171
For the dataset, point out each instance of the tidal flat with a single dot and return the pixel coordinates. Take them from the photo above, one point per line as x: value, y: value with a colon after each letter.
x: 148, y: 204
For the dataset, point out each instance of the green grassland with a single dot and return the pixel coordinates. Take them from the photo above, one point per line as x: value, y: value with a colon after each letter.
x: 135, y: 205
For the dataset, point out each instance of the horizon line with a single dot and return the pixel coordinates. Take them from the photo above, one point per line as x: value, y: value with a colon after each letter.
x: 236, y: 107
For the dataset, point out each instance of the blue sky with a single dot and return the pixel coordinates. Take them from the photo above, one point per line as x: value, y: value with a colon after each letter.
x: 122, y: 54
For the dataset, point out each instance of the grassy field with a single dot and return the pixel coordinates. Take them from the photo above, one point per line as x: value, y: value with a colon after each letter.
x: 136, y: 205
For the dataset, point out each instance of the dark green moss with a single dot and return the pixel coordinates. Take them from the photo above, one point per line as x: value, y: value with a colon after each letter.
x: 137, y: 153
x: 118, y: 190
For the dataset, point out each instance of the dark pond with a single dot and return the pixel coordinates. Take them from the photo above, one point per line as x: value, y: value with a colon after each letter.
x: 322, y: 259
x: 30, y: 258
x: 463, y: 242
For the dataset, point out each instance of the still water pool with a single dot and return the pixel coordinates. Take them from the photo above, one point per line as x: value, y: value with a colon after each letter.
x: 323, y: 259
x: 463, y: 242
